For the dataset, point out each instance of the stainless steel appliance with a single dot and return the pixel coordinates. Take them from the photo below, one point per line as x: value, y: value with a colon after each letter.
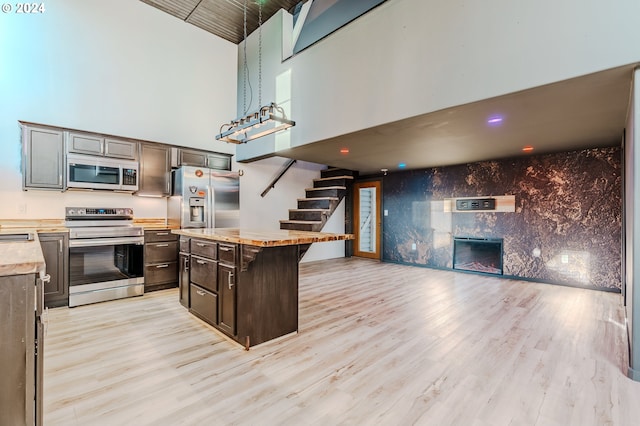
x: 105, y: 255
x: 205, y: 198
x: 89, y: 172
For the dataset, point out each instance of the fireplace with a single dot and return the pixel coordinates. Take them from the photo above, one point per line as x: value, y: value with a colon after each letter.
x: 478, y: 254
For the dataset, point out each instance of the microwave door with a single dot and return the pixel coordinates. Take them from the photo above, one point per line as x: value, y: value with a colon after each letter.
x: 93, y: 176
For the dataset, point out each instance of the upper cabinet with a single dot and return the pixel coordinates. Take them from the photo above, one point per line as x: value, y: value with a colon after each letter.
x: 193, y: 157
x: 42, y: 157
x: 155, y: 169
x: 92, y: 144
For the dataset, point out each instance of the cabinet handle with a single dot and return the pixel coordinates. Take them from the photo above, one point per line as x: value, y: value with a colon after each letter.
x: 60, y: 179
x: 46, y: 278
x: 162, y: 245
x: 168, y: 186
x: 200, y: 293
x: 200, y: 244
x: 229, y: 279
x: 226, y: 248
x: 162, y: 266
x: 186, y: 263
x: 60, y: 245
x: 162, y: 233
x: 200, y: 262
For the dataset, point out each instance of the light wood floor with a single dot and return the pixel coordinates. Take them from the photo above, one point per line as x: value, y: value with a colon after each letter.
x: 378, y: 344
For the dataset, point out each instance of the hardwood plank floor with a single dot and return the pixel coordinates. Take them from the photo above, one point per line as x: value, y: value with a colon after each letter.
x: 378, y: 343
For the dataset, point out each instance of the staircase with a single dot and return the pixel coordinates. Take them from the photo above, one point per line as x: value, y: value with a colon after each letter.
x: 320, y: 202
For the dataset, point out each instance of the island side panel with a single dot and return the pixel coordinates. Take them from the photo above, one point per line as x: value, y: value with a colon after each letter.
x: 268, y: 295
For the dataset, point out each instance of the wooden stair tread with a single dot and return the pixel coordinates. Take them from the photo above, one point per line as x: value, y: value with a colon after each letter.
x: 310, y: 210
x: 302, y: 222
x: 322, y: 188
x: 333, y: 178
x: 319, y: 198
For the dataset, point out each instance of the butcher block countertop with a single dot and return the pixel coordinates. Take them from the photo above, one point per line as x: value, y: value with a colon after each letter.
x: 20, y: 257
x: 280, y: 237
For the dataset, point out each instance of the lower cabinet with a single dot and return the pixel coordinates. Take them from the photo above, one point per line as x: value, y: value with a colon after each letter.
x: 227, y: 292
x: 55, y: 250
x: 204, y: 304
x: 160, y: 260
x: 183, y: 279
x: 247, y: 292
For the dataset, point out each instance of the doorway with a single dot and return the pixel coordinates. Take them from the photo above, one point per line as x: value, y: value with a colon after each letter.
x: 367, y: 219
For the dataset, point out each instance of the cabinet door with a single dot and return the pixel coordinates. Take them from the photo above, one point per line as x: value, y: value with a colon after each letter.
x: 227, y: 298
x: 120, y: 148
x: 192, y: 158
x: 155, y: 170
x: 43, y: 158
x: 218, y: 161
x: 183, y: 280
x: 85, y: 143
x: 55, y: 252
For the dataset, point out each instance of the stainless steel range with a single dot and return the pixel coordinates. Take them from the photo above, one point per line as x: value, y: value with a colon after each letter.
x: 105, y: 255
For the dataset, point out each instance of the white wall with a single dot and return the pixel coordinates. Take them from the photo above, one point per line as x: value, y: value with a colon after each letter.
x: 410, y: 57
x: 118, y: 67
x: 265, y: 213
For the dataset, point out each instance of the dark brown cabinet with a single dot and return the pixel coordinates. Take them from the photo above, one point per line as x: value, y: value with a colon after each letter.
x: 160, y: 260
x: 42, y: 157
x: 55, y: 249
x: 249, y: 293
x: 227, y: 293
x: 212, y: 160
x: 155, y: 170
x: 184, y: 271
x: 203, y: 280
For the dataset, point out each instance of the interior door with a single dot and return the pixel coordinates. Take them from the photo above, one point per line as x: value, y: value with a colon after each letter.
x: 367, y: 219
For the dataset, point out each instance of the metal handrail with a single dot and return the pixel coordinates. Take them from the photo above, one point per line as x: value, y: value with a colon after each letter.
x: 272, y: 185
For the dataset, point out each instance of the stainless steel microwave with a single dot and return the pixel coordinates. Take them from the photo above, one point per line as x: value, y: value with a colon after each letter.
x: 89, y: 172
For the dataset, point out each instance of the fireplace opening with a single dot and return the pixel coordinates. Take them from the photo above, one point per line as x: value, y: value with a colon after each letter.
x: 478, y: 254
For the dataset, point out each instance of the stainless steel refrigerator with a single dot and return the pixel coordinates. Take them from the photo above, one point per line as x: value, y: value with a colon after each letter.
x: 204, y: 198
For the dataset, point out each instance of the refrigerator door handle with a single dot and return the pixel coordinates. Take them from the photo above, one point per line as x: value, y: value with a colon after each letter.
x: 211, y: 223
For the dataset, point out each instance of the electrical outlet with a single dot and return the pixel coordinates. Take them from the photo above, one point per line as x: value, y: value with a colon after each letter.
x: 22, y: 208
x: 413, y: 246
x: 386, y: 212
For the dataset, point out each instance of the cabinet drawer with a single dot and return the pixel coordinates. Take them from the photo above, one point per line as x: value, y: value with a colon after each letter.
x: 159, y: 235
x: 184, y: 244
x: 161, y: 252
x: 204, y: 248
x: 161, y: 273
x: 204, y: 272
x: 227, y: 253
x: 204, y: 304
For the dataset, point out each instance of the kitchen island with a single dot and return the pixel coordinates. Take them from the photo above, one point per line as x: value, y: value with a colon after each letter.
x: 245, y: 282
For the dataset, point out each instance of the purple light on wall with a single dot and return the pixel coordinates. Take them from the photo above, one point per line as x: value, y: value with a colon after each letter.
x: 495, y: 120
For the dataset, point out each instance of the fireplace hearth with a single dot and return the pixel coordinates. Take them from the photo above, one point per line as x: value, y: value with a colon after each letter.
x: 478, y: 254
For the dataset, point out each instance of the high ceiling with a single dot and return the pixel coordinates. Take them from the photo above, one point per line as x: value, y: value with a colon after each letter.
x: 584, y: 112
x: 224, y: 18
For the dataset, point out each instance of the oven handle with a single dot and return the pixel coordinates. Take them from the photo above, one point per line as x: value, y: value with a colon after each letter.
x: 93, y: 242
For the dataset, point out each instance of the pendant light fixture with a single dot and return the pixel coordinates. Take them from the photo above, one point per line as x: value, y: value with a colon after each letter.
x: 269, y: 118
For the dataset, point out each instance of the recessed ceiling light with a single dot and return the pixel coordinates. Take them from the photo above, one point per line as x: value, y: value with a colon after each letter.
x: 527, y: 148
x: 344, y: 151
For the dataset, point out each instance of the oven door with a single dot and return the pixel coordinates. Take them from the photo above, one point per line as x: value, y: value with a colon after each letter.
x: 103, y: 269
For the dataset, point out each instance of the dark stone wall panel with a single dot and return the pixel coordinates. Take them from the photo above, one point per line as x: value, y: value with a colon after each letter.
x: 566, y: 227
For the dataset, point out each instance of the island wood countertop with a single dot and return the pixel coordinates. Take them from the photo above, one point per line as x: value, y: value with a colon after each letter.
x: 21, y: 257
x: 277, y: 238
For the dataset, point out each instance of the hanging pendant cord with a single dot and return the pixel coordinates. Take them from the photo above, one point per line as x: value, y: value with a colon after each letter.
x: 260, y: 53
x: 246, y: 80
